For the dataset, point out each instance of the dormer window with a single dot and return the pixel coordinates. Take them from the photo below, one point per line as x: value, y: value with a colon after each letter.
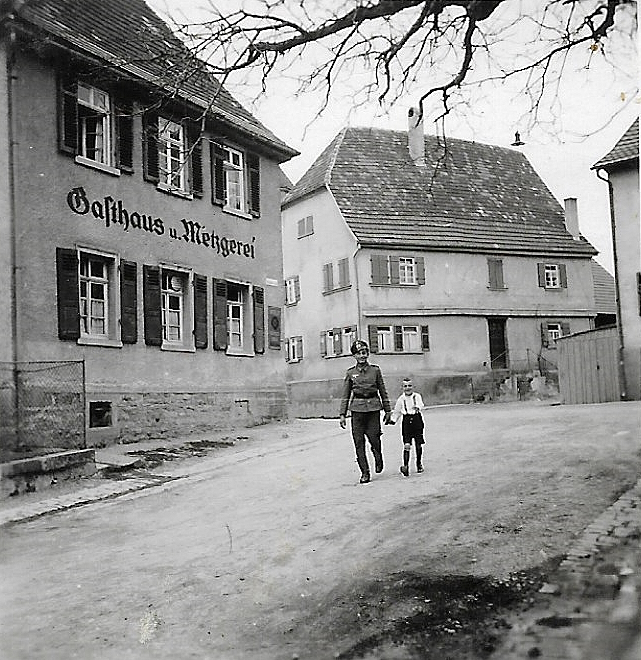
x: 235, y: 180
x: 172, y: 162
x: 94, y: 124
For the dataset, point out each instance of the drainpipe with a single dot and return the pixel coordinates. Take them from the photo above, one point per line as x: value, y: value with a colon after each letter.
x: 358, y: 294
x: 621, y: 365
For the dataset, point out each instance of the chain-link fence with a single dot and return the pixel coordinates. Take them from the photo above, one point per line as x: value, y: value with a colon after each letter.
x: 42, y: 408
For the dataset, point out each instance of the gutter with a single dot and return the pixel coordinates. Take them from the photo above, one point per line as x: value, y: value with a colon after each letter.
x: 621, y: 364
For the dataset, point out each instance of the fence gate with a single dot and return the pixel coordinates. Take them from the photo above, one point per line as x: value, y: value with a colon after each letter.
x: 42, y: 408
x: 588, y: 367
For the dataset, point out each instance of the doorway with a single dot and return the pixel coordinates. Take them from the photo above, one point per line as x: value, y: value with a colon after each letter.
x: 498, y: 345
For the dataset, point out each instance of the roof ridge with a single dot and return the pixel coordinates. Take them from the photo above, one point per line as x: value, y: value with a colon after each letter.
x: 338, y: 142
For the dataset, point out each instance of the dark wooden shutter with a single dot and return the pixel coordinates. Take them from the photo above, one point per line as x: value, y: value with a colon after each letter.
x: 563, y: 276
x: 128, y: 302
x: 124, y: 136
x: 394, y: 273
x: 379, y: 269
x: 495, y: 268
x: 372, y: 332
x: 338, y: 344
x: 259, y: 319
x: 565, y: 328
x: 328, y: 278
x: 220, y: 315
x: 398, y: 337
x: 150, y: 146
x: 545, y: 338
x: 273, y: 330
x: 420, y: 269
x: 218, y: 182
x: 200, y: 311
x: 323, y: 343
x: 152, y: 305
x: 299, y: 346
x: 68, y: 296
x: 253, y: 167
x: 68, y: 115
x: 425, y: 337
x: 541, y: 272
x: 195, y: 158
x: 343, y: 272
x: 297, y: 288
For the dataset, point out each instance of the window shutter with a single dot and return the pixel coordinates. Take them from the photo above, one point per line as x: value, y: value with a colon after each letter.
x: 301, y: 227
x: 565, y: 328
x: 323, y: 343
x: 288, y: 353
x: 299, y: 346
x: 150, y: 146
x: 563, y: 276
x: 425, y: 337
x: 68, y: 115
x: 124, y: 136
x: 338, y: 347
x: 639, y: 291
x: 297, y: 288
x: 128, y: 302
x: 372, y: 332
x: 541, y: 271
x: 259, y: 319
x: 420, y: 269
x: 395, y: 277
x: 398, y: 338
x: 328, y: 278
x: 218, y: 183
x: 195, y: 158
x: 343, y: 272
x: 545, y: 338
x: 200, y: 311
x: 253, y: 165
x: 68, y: 296
x: 152, y: 305
x: 379, y: 269
x: 220, y: 315
x: 495, y: 268
x: 273, y: 331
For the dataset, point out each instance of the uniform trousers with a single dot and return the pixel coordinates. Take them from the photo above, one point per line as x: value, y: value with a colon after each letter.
x: 367, y: 424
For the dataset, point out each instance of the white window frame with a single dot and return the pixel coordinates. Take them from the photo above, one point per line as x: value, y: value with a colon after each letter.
x: 290, y: 291
x: 347, y: 339
x: 185, y: 296
x: 305, y: 226
x: 98, y: 101
x: 240, y: 326
x: 385, y: 338
x: 406, y: 270
x: 409, y: 332
x: 88, y: 282
x: 234, y: 170
x: 172, y: 170
x: 552, y: 276
x: 554, y: 331
x: 294, y: 343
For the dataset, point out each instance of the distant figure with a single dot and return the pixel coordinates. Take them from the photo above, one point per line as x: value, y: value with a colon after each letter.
x: 409, y: 406
x: 365, y: 395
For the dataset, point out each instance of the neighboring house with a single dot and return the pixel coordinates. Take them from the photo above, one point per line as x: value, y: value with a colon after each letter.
x: 605, y: 303
x: 139, y: 227
x: 452, y: 259
x: 621, y: 165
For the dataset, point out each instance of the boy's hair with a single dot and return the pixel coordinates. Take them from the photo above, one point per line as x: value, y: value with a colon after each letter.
x: 407, y: 379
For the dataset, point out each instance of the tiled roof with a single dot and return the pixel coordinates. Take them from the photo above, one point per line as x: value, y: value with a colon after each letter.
x: 130, y: 36
x: 604, y: 291
x: 627, y: 148
x: 481, y: 197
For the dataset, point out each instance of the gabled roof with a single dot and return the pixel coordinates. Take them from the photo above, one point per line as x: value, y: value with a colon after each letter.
x: 470, y: 196
x: 626, y: 149
x: 604, y: 290
x: 128, y: 35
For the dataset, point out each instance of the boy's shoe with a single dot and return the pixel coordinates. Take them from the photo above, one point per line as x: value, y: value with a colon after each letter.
x: 419, y: 468
x: 364, y: 479
x: 405, y: 471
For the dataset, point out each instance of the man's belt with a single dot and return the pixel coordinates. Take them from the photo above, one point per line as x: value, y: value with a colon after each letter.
x: 370, y: 396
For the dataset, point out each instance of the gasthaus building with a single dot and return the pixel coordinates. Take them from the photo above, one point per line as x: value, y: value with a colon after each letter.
x: 140, y: 235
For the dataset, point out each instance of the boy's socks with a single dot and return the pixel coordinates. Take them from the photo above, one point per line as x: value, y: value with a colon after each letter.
x: 406, y: 457
x: 419, y: 456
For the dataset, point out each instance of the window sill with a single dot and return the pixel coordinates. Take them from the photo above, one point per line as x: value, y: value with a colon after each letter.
x: 396, y: 286
x: 239, y: 353
x: 95, y: 165
x: 176, y: 192
x: 401, y: 352
x: 175, y: 348
x: 236, y: 212
x: 497, y: 288
x: 291, y: 304
x: 88, y: 340
x: 337, y: 289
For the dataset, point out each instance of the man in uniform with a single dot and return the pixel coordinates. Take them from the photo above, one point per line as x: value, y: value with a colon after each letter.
x: 365, y: 394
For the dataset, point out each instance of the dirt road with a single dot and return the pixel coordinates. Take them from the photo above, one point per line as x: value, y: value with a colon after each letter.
x: 272, y: 550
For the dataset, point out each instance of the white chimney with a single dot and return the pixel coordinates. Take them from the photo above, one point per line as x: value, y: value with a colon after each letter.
x: 415, y: 137
x: 572, y: 217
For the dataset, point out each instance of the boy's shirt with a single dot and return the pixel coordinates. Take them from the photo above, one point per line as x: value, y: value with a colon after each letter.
x: 407, y: 405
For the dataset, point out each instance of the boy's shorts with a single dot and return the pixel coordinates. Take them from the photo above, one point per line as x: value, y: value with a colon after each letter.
x: 412, y: 429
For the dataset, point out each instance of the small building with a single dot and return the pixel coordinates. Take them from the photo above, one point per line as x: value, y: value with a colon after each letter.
x: 619, y: 168
x: 452, y: 258
x: 140, y: 245
x: 605, y: 304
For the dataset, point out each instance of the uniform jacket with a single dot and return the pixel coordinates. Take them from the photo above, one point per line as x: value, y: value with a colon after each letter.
x: 364, y: 390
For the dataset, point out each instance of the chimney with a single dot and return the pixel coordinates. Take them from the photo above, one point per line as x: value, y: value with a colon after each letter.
x: 415, y: 137
x: 572, y: 217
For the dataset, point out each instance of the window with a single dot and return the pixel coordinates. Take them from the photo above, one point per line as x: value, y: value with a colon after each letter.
x: 399, y: 338
x: 235, y: 180
x: 552, y: 330
x: 343, y: 276
x: 552, y: 276
x: 337, y: 341
x: 173, y: 306
x: 294, y: 349
x: 100, y: 414
x: 172, y: 162
x: 393, y: 270
x: 97, y: 301
x: 95, y: 127
x: 306, y: 226
x: 292, y: 290
x: 239, y: 312
x: 343, y: 273
x: 495, y: 273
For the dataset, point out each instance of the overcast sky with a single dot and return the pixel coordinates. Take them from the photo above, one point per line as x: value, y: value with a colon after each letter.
x: 593, y: 108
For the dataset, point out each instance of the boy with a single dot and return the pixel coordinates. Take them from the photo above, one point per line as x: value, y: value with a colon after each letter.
x: 409, y: 406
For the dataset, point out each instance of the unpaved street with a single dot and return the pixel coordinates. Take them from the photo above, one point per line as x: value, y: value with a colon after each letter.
x: 272, y: 550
